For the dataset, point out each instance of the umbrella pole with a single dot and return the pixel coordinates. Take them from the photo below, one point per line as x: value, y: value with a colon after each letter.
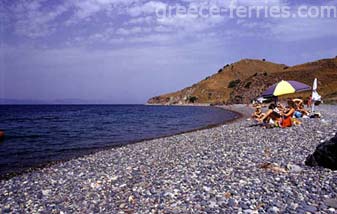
x: 312, y: 104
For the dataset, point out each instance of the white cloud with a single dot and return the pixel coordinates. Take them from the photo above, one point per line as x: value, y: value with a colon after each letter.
x: 142, y: 20
x: 32, y: 21
x: 292, y: 29
x: 86, y: 8
x: 136, y: 18
x: 154, y: 38
x: 190, y: 22
x: 163, y: 29
x: 134, y: 30
x: 235, y: 3
x: 147, y: 8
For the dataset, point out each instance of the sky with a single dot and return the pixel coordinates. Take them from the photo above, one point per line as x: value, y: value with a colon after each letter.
x: 126, y: 51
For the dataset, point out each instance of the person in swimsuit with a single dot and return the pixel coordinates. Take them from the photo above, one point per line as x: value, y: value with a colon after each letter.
x: 286, y: 120
x: 271, y: 116
x: 258, y: 113
x: 303, y: 110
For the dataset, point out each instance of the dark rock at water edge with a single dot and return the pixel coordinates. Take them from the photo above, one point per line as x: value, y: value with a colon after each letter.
x: 325, y: 155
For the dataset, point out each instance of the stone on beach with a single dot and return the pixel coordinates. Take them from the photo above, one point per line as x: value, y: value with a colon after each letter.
x: 331, y: 202
x: 294, y: 168
x: 325, y: 155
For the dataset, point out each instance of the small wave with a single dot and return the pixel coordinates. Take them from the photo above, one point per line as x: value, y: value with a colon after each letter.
x: 33, y: 136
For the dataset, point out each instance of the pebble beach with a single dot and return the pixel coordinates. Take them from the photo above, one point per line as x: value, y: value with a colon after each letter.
x: 232, y: 168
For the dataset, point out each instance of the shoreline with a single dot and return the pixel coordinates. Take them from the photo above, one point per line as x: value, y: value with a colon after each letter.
x: 209, y: 170
x: 10, y: 175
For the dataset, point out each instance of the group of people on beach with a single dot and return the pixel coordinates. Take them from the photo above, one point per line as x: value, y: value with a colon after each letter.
x: 282, y: 116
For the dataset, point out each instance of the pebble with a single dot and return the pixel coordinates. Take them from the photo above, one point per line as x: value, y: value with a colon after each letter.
x: 293, y: 206
x: 332, y: 210
x: 273, y: 210
x: 294, y: 168
x: 46, y: 192
x: 232, y: 202
x: 331, y: 203
x: 249, y: 211
x: 310, y: 208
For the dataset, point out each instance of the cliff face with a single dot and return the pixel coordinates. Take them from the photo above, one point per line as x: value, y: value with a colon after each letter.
x: 245, y: 80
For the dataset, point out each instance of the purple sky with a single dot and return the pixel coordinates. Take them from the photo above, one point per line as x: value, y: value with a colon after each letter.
x: 119, y: 51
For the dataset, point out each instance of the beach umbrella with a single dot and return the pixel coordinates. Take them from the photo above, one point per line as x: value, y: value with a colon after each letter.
x: 315, y: 96
x: 285, y: 87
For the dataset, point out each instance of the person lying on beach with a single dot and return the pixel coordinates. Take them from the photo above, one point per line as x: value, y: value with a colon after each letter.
x: 258, y: 113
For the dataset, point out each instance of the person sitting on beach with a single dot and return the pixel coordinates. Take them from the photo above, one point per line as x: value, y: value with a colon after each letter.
x: 258, y: 113
x: 288, y: 114
x: 297, y: 101
x: 300, y: 111
x: 279, y: 108
x: 303, y: 110
x: 299, y: 108
x: 271, y: 116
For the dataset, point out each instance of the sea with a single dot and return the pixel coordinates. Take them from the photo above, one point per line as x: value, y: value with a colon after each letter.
x: 36, y: 135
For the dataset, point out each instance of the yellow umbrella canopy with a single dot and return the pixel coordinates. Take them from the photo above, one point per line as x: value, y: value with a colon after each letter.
x: 285, y: 87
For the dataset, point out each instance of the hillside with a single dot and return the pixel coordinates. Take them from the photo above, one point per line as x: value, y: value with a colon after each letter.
x: 243, y: 81
x: 325, y: 70
x: 215, y: 89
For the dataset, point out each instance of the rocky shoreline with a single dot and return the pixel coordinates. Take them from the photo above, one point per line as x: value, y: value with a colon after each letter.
x: 234, y: 168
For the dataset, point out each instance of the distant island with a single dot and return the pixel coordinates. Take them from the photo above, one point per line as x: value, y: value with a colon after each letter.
x: 243, y: 81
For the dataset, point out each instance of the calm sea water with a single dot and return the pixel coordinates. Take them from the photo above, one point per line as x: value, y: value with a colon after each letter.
x: 39, y: 134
